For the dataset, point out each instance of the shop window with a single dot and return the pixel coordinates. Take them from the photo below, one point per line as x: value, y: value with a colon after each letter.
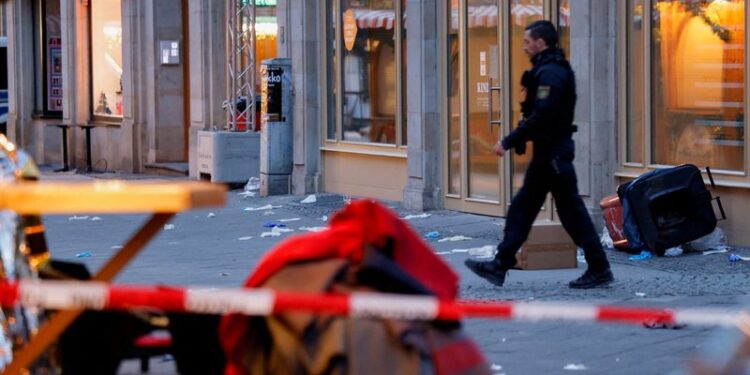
x: 372, y: 62
x: 697, y: 83
x: 106, y: 59
x: 48, y: 58
x: 635, y: 86
x: 331, y: 70
x: 453, y: 89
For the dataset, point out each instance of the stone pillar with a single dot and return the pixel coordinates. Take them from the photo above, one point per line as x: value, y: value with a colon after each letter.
x: 20, y: 33
x: 76, y: 80
x: 422, y: 190
x: 208, y: 66
x: 134, y: 102
x: 300, y: 40
x: 593, y: 56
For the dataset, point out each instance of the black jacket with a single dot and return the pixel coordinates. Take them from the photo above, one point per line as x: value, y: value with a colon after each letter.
x: 548, y: 109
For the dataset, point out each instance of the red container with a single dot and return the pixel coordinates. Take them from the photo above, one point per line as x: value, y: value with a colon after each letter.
x: 612, y: 213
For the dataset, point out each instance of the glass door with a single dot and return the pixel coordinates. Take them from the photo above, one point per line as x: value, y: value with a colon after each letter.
x: 475, y: 106
x: 484, y: 65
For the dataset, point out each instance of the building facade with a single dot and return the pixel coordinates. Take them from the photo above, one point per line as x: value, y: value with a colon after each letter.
x: 397, y: 99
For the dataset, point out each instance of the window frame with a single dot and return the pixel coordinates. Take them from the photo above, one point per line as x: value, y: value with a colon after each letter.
x: 336, y: 142
x: 626, y: 169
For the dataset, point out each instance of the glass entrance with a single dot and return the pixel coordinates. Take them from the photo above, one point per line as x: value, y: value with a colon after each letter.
x: 484, y: 65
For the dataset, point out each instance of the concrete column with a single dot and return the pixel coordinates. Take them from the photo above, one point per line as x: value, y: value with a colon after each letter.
x: 20, y: 32
x: 301, y: 39
x: 593, y: 56
x: 208, y: 66
x: 76, y: 80
x: 422, y: 190
x: 132, y: 132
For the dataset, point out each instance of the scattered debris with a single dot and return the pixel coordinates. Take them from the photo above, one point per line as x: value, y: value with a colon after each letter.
x: 272, y: 224
x: 443, y: 253
x: 168, y: 226
x: 245, y: 238
x: 460, y: 250
x: 575, y: 367
x: 347, y: 199
x: 432, y: 235
x: 420, y: 216
x: 253, y: 184
x: 224, y: 274
x: 718, y: 251
x: 644, y: 255
x: 84, y: 254
x: 269, y: 213
x: 210, y: 215
x: 640, y: 294
x: 737, y: 258
x: 96, y: 218
x: 454, y: 239
x: 78, y: 218
x: 275, y: 232
x: 673, y: 251
x: 606, y: 239
x: 116, y: 247
x: 288, y: 220
x: 246, y: 194
x: 324, y: 218
x: 310, y: 199
x: 495, y: 367
x: 663, y: 325
x: 313, y: 229
x: 715, y: 240
x: 261, y: 208
x: 487, y: 251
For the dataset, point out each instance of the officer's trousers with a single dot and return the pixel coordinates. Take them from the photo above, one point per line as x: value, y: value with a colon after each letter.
x: 560, y: 179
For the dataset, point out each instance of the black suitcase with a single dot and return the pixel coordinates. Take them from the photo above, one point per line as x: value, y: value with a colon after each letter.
x: 671, y: 206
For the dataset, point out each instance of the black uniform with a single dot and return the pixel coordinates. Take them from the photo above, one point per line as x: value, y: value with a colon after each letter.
x: 548, y: 122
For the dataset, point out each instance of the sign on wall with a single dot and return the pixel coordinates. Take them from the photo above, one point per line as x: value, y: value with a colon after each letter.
x: 271, y: 95
x: 350, y: 29
x: 54, y: 74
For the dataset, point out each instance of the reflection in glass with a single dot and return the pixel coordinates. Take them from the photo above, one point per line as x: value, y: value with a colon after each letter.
x: 635, y: 83
x: 369, y: 76
x: 522, y: 13
x: 563, y: 26
x: 454, y: 101
x: 698, y: 82
x: 106, y: 57
x: 403, y: 74
x: 331, y: 70
x: 484, y: 182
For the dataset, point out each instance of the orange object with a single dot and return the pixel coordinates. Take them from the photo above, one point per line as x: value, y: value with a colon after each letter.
x: 612, y: 213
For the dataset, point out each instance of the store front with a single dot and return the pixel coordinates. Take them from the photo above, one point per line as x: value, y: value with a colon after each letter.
x: 484, y: 65
x: 365, y: 138
x: 683, y: 93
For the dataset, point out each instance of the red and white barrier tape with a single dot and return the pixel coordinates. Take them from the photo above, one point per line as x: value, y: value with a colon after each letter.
x: 102, y: 296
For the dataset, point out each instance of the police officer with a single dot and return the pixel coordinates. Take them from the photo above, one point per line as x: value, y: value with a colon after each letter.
x: 547, y: 121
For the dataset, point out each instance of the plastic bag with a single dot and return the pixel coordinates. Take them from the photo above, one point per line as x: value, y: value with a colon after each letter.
x: 716, y: 240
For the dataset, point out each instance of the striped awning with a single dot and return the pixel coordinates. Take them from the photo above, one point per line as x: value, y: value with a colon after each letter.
x: 478, y: 16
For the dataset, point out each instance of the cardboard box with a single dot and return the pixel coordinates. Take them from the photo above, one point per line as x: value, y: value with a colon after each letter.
x: 548, y: 247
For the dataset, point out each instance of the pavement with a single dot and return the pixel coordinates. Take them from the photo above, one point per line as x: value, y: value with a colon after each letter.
x: 221, y: 246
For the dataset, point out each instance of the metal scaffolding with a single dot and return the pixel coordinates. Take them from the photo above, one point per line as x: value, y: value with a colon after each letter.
x: 240, y: 104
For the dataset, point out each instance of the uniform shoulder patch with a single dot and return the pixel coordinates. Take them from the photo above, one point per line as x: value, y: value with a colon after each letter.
x: 543, y: 92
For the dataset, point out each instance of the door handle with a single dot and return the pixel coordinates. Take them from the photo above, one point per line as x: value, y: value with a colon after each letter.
x: 492, y: 121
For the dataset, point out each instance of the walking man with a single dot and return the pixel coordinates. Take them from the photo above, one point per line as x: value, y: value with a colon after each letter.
x: 547, y: 121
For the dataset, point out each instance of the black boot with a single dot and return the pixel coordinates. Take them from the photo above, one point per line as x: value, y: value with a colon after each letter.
x: 593, y: 279
x: 488, y: 270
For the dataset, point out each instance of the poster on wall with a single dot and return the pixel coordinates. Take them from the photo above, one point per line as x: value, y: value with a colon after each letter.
x: 54, y: 74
